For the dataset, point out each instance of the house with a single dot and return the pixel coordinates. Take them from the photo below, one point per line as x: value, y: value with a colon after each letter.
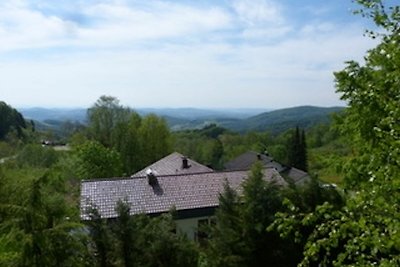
x: 193, y: 196
x: 246, y: 160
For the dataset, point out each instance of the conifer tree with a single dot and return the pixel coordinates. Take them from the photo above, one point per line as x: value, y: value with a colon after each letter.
x: 297, y: 150
x: 124, y: 230
x: 226, y: 245
x: 303, y: 152
x: 261, y: 200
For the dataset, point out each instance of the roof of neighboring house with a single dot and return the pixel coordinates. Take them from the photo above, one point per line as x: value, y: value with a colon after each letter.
x: 247, y: 159
x: 296, y: 175
x: 173, y: 164
x: 182, y: 192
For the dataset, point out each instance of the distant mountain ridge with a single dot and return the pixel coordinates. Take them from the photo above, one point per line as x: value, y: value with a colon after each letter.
x: 240, y: 120
x: 282, y: 119
x: 79, y: 114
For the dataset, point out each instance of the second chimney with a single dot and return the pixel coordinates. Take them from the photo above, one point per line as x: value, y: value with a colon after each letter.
x: 185, y: 163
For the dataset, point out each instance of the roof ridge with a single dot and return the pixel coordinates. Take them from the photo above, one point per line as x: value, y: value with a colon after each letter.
x: 166, y: 175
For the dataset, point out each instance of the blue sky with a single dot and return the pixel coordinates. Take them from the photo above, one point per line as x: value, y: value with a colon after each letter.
x: 209, y: 54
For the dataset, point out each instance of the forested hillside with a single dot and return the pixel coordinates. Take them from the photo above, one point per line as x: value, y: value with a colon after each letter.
x: 281, y: 120
x: 10, y: 120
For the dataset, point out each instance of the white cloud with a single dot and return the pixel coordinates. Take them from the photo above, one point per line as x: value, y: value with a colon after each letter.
x: 156, y: 53
x: 294, y: 72
x: 258, y: 12
x: 22, y: 28
x: 261, y: 19
x: 110, y: 24
x: 118, y: 23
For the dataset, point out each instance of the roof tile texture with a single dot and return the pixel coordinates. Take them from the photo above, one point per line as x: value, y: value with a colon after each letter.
x: 184, y: 191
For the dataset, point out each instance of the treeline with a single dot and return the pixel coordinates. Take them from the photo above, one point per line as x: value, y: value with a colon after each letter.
x: 117, y: 141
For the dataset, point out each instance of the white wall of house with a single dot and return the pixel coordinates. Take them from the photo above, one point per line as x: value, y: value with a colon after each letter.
x: 189, y: 226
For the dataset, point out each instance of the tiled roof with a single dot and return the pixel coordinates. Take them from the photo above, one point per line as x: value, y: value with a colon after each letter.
x: 296, y: 175
x: 171, y: 165
x: 184, y: 192
x: 246, y: 160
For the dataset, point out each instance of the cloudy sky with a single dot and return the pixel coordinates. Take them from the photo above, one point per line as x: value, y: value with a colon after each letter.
x: 178, y: 53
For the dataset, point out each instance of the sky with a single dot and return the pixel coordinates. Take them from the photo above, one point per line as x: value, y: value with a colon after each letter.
x: 178, y: 53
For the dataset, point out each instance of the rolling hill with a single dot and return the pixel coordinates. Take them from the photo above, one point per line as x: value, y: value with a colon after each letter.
x: 282, y: 119
x: 239, y: 120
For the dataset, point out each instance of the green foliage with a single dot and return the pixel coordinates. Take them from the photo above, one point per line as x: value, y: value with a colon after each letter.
x: 201, y: 145
x: 226, y: 246
x: 95, y: 161
x: 261, y: 201
x: 160, y: 246
x: 33, y: 155
x: 126, y: 141
x: 297, y: 150
x: 10, y: 119
x: 35, y: 227
x: 104, y: 116
x: 155, y: 140
x: 124, y: 230
x: 365, y: 232
x: 101, y: 237
x: 139, y: 142
x: 139, y: 241
x: 239, y: 237
x: 279, y: 121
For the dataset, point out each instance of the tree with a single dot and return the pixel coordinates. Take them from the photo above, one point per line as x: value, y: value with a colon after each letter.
x: 297, y: 150
x: 124, y: 230
x: 95, y: 161
x: 38, y: 231
x: 104, y: 116
x: 366, y: 231
x: 126, y: 141
x: 226, y: 246
x: 261, y: 200
x: 101, y: 237
x: 155, y: 139
x: 303, y: 152
x: 10, y: 119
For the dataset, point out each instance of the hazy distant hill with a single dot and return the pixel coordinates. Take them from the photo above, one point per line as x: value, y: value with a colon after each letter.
x: 173, y: 114
x: 202, y: 114
x: 275, y: 121
x: 240, y: 120
x: 54, y: 114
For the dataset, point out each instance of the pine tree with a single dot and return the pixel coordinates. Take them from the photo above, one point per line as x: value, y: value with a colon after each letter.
x: 261, y: 200
x: 297, y: 150
x: 226, y: 246
x: 303, y: 152
x: 124, y: 230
